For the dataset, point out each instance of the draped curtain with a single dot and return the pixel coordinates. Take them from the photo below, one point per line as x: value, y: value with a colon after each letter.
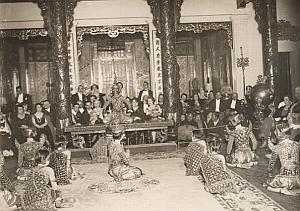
x: 131, y: 65
x: 110, y: 64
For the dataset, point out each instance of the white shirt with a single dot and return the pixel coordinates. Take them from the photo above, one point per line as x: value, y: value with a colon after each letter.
x: 80, y: 96
x: 145, y: 92
x: 145, y: 107
x: 233, y: 103
x: 218, y: 102
x: 48, y: 109
x: 20, y: 98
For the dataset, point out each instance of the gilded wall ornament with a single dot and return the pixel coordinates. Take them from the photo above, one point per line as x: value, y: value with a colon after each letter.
x: 205, y: 26
x: 113, y: 32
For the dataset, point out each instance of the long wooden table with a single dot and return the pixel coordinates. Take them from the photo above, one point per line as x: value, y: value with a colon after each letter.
x: 137, y: 126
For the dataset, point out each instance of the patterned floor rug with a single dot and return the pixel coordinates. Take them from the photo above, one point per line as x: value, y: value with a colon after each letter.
x: 125, y: 186
x: 249, y: 198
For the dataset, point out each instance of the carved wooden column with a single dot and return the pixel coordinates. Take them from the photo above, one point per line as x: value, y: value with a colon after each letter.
x: 58, y: 17
x: 266, y: 16
x: 166, y: 15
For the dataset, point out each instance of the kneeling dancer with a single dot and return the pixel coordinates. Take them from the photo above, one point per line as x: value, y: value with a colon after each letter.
x: 204, y: 161
x: 118, y: 160
x: 287, y: 152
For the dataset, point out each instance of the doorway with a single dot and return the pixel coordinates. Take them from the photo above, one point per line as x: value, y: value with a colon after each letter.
x: 284, y: 70
x: 204, y: 60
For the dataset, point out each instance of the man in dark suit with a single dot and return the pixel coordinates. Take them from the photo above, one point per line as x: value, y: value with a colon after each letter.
x: 217, y: 104
x: 79, y: 96
x: 216, y: 125
x: 145, y: 91
x: 235, y: 103
x: 23, y: 98
x: 85, y: 116
x: 49, y: 110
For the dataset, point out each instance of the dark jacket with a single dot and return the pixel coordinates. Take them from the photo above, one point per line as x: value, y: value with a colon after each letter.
x: 141, y: 92
x: 26, y: 99
x: 75, y: 98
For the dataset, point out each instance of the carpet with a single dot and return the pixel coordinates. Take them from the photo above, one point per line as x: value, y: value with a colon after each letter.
x: 249, y: 198
x: 125, y: 186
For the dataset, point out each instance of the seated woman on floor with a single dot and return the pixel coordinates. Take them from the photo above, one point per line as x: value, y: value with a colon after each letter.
x: 60, y: 162
x: 286, y: 151
x: 202, y: 158
x: 39, y: 191
x: 118, y: 160
x: 27, y: 153
x: 239, y: 151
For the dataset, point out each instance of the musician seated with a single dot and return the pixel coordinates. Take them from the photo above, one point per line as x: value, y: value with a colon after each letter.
x: 216, y: 125
x: 185, y: 131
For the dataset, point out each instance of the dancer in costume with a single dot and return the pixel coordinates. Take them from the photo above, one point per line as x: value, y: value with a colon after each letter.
x: 202, y: 159
x: 287, y: 152
x: 118, y: 160
x: 27, y: 153
x: 117, y: 114
x: 239, y: 152
x: 39, y: 191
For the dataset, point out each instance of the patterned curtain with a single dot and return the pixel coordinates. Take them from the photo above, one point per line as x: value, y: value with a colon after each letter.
x: 120, y: 63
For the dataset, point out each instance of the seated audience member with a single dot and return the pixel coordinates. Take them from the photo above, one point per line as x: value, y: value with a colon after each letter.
x: 282, y: 112
x: 8, y: 148
x: 153, y: 110
x: 202, y: 97
x: 97, y: 108
x: 183, y: 104
x: 217, y: 104
x: 199, y: 121
x: 26, y: 109
x: 76, y: 114
x: 190, y: 120
x: 137, y: 112
x: 92, y: 99
x: 195, y: 104
x: 145, y: 91
x: 42, y: 123
x: 248, y: 97
x: 216, y: 125
x: 122, y: 91
x: 23, y: 98
x: 81, y: 106
x: 144, y: 104
x: 286, y: 151
x: 261, y: 111
x: 49, y: 110
x: 182, y: 120
x: 19, y: 122
x: 85, y: 117
x: 160, y: 102
x: 95, y: 91
x: 79, y: 96
x: 185, y: 131
x: 235, y: 103
x: 294, y: 116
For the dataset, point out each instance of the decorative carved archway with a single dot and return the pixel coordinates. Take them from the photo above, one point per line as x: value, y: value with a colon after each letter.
x: 205, y: 26
x: 113, y: 32
x: 23, y: 34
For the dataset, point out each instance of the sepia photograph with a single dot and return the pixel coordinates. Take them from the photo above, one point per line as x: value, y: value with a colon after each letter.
x: 149, y: 105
